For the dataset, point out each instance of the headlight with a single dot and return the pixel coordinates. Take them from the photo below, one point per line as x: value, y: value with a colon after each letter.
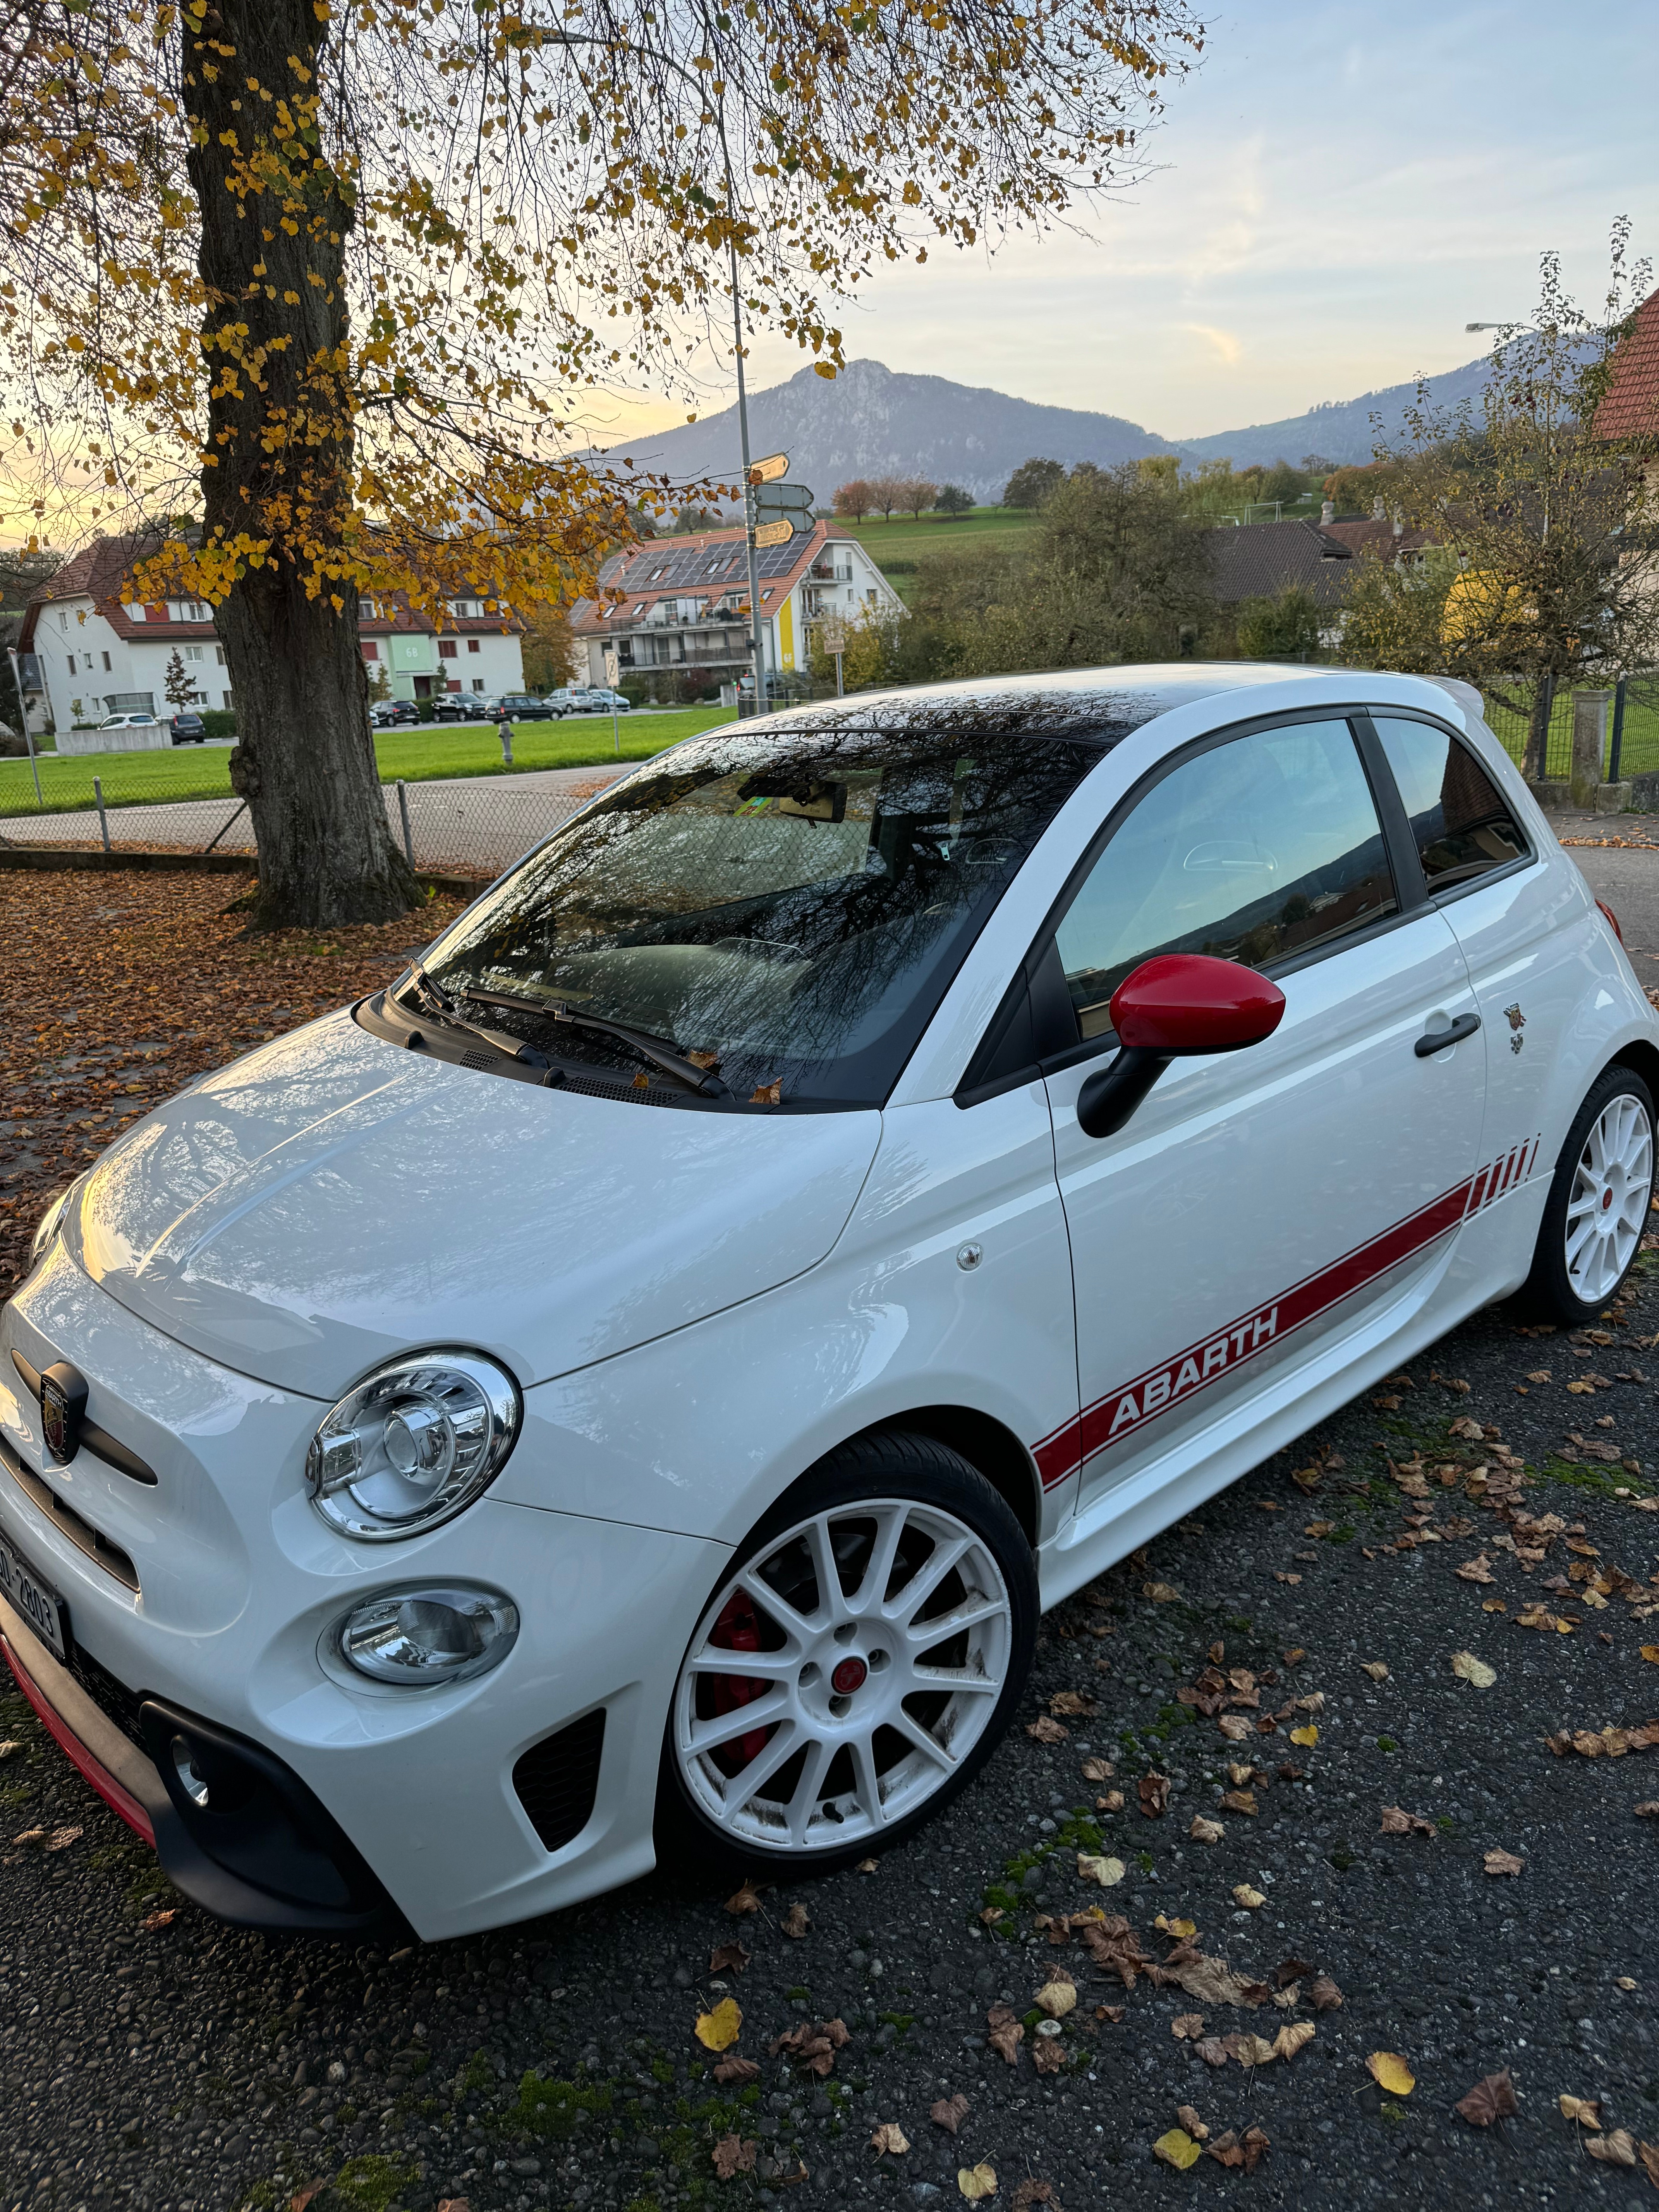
x: 49, y: 1225
x: 413, y: 1444
x: 418, y: 1637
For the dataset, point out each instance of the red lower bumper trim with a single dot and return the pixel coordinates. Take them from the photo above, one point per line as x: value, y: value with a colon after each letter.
x: 119, y: 1799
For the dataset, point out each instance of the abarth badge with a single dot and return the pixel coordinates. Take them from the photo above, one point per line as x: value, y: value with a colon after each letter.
x: 63, y: 1403
x: 1517, y: 1020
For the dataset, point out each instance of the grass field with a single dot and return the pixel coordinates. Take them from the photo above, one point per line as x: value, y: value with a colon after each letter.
x: 907, y: 541
x: 416, y: 756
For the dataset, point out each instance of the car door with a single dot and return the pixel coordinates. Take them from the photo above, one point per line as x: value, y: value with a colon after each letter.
x: 1261, y: 1204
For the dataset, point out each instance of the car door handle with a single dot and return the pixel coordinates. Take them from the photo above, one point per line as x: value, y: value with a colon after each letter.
x: 1439, y: 1040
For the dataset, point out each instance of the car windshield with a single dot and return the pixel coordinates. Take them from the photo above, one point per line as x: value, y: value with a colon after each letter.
x: 790, y: 904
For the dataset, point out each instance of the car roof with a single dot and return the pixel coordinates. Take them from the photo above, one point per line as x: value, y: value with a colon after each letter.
x: 1102, y: 704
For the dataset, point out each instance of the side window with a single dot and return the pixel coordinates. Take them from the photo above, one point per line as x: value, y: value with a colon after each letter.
x: 1259, y: 849
x: 1461, y: 823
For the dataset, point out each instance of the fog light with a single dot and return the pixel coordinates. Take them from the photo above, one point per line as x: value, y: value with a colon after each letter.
x: 184, y: 1765
x: 417, y: 1637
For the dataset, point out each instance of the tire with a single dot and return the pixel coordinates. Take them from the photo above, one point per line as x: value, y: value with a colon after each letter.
x: 1604, y: 1179
x: 841, y: 1777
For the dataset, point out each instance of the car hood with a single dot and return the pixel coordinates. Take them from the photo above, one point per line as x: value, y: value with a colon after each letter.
x: 332, y: 1201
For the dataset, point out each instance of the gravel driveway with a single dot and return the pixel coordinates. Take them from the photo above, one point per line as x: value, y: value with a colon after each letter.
x: 155, y: 2059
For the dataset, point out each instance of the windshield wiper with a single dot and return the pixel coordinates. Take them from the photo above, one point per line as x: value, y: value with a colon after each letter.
x: 442, y: 1007
x: 672, y: 1063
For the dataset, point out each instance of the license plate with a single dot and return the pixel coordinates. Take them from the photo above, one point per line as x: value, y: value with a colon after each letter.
x: 37, y: 1602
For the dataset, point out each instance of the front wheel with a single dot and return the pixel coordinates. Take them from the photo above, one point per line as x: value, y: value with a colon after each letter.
x: 1598, y: 1203
x: 855, y: 1668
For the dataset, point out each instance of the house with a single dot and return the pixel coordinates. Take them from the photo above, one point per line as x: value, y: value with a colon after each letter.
x: 1629, y: 410
x: 1260, y: 559
x: 98, y: 650
x: 682, y: 604
x: 1380, y: 538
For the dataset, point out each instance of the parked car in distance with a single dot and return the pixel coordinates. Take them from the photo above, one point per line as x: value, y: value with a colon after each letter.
x: 188, y: 729
x: 391, y: 713
x: 527, y: 707
x: 132, y: 722
x: 460, y: 706
x: 595, y: 699
x: 626, y: 1390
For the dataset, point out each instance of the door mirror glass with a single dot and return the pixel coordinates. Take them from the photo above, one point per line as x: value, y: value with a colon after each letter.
x: 1183, y: 1003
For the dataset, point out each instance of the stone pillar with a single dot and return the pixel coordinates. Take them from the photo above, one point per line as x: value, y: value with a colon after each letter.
x: 1590, y: 746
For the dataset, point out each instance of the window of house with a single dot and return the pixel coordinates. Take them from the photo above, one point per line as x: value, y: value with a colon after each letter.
x: 227, y: 698
x: 219, y: 655
x: 62, y: 620
x: 445, y: 648
x: 472, y: 645
x: 192, y: 652
x: 106, y: 661
x: 370, y: 650
x: 71, y: 664
x: 1463, y: 826
x: 477, y: 684
x: 1254, y: 851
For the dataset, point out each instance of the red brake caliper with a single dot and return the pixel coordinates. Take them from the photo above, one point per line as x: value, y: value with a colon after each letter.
x: 737, y: 1630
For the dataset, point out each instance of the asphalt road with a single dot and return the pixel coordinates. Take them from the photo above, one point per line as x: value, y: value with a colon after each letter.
x: 153, y: 2059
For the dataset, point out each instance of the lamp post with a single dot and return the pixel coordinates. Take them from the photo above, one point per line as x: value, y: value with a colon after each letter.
x: 757, y: 648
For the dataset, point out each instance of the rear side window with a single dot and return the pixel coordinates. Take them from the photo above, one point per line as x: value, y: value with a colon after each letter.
x: 1255, y: 850
x: 1462, y: 825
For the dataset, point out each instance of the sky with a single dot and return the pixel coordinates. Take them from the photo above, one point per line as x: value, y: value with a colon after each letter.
x: 1337, y: 189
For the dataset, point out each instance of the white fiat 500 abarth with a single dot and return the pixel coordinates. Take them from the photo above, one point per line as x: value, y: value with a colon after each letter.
x: 635, y: 1382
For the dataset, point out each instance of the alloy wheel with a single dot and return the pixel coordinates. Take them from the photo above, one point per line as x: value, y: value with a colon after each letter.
x: 1608, y: 1207
x: 840, y: 1678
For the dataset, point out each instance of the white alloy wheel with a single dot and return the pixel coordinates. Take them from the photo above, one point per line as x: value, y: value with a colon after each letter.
x: 841, y: 1677
x: 1607, y: 1206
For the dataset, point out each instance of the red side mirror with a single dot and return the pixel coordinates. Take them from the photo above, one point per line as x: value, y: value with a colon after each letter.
x: 1186, y: 1002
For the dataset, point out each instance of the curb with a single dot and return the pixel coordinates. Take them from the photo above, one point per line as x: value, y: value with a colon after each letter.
x: 56, y: 858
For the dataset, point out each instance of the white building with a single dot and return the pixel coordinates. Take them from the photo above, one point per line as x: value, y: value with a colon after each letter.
x: 683, y: 603
x: 101, y: 651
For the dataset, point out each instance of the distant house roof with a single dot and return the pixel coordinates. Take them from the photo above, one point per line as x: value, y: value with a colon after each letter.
x: 1376, y: 535
x: 1259, y: 560
x: 1629, y: 406
x: 711, y: 562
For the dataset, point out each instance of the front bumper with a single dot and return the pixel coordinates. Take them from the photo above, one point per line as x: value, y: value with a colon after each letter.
x: 204, y: 1607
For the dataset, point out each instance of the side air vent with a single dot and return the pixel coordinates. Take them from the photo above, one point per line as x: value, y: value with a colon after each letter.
x: 558, y: 1778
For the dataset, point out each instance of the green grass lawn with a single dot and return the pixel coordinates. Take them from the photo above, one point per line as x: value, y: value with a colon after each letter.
x: 415, y: 755
x: 906, y: 540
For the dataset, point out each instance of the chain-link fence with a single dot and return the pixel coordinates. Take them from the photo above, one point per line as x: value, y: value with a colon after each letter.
x: 1631, y: 746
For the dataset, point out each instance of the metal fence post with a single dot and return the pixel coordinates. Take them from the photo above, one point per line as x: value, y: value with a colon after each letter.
x: 403, y: 809
x: 1618, y: 743
x: 103, y: 819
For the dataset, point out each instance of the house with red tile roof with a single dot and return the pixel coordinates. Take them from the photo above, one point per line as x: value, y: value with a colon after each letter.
x: 1629, y: 412
x: 681, y: 605
x: 99, y: 650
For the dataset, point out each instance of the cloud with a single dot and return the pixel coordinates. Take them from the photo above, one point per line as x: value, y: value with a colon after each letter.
x: 1226, y: 345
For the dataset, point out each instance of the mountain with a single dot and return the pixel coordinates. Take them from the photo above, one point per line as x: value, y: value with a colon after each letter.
x: 1341, y: 431
x: 872, y: 421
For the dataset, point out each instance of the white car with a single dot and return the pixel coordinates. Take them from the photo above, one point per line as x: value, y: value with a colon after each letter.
x: 134, y: 722
x: 633, y: 1385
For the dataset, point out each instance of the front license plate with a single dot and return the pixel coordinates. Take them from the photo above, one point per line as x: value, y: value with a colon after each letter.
x: 36, y: 1601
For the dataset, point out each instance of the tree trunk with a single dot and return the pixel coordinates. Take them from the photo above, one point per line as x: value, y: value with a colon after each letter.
x: 274, y: 218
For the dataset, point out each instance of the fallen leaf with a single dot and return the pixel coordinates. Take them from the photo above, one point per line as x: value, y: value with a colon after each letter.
x: 1098, y: 1770
x: 1587, y: 2111
x: 1504, y: 1862
x: 1056, y: 1999
x: 1468, y: 1668
x: 31, y: 1836
x: 976, y: 2182
x: 1493, y: 2098
x: 1477, y: 1570
x: 734, y: 2072
x: 1071, y: 1702
x: 1649, y: 2153
x: 1239, y: 1801
x: 1211, y: 2051
x: 1108, y: 1872
x: 1375, y: 1668
x: 301, y: 2197
x: 1180, y: 1929
x: 1618, y: 2148
x: 1397, y: 1821
x: 1251, y: 1900
x: 1042, y: 1729
x: 728, y: 1959
x: 795, y: 1921
x: 767, y: 1094
x: 1212, y: 1981
x: 813, y: 2047
x: 1154, y: 1790
x: 1186, y: 2026
x: 744, y: 1898
x: 1652, y: 1651
x: 1111, y: 1803
x: 950, y: 2112
x: 153, y: 1921
x: 1245, y: 2150
x: 1005, y: 2033
x: 61, y: 1839
x: 1161, y: 1593
x: 1306, y: 1737
x: 1234, y: 1727
x: 1389, y: 2072
x: 1205, y: 1832
x: 1319, y: 1528
x: 1190, y: 2120
x: 720, y: 2029
x: 1650, y: 1811
x: 732, y: 2156
x: 890, y: 2136
x: 1177, y: 2148
x: 868, y: 1866
x: 1324, y: 1994
x: 1047, y: 2052
x: 1034, y: 2192
x: 1294, y: 2036
x: 1249, y: 2051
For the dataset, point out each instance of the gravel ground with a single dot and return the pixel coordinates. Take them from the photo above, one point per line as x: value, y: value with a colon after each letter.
x: 153, y: 2058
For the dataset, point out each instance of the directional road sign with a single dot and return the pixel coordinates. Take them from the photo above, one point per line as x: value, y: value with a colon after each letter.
x: 776, y: 533
x: 768, y: 471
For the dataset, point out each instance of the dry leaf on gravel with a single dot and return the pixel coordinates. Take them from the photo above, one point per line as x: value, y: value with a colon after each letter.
x: 1504, y: 1862
x: 1245, y: 2150
x: 1205, y: 1832
x: 1194, y: 2126
x: 1306, y: 1737
x: 1324, y: 1994
x: 1034, y: 2192
x: 950, y: 2112
x: 732, y: 2156
x: 1179, y: 1929
x: 1251, y: 1900
x: 813, y: 2047
x: 734, y: 2073
x: 1650, y: 1811
x: 869, y: 1866
x: 1294, y: 2036
x: 1468, y: 1668
x: 1211, y: 2049
x: 795, y: 1922
x: 153, y: 1920
x: 1161, y: 1593
x: 1477, y: 1570
x: 744, y: 1898
x: 1249, y: 2051
x: 1186, y: 2026
x: 1397, y: 1821
x: 1587, y: 2111
x: 1056, y: 1999
x: 1072, y: 1703
x: 1234, y: 1727
x: 1154, y: 1790
x: 1098, y: 1770
x: 61, y: 1839
x: 1493, y: 2098
x: 301, y: 2197
x: 1210, y: 1980
x: 1106, y: 1871
x: 1389, y: 2072
x: 1177, y: 2148
x: 1005, y: 2033
x: 1047, y: 2052
x: 728, y: 1958
x: 1649, y: 2154
x: 890, y: 2136
x: 1239, y: 1801
x: 976, y: 2182
x: 1375, y: 1668
x: 1042, y: 1729
x: 1649, y: 1651
x: 720, y: 2029
x: 1618, y: 2148
x: 1111, y: 1803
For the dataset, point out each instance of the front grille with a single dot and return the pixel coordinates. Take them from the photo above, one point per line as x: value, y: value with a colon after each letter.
x: 113, y: 1700
x: 558, y: 1778
x: 79, y: 1530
